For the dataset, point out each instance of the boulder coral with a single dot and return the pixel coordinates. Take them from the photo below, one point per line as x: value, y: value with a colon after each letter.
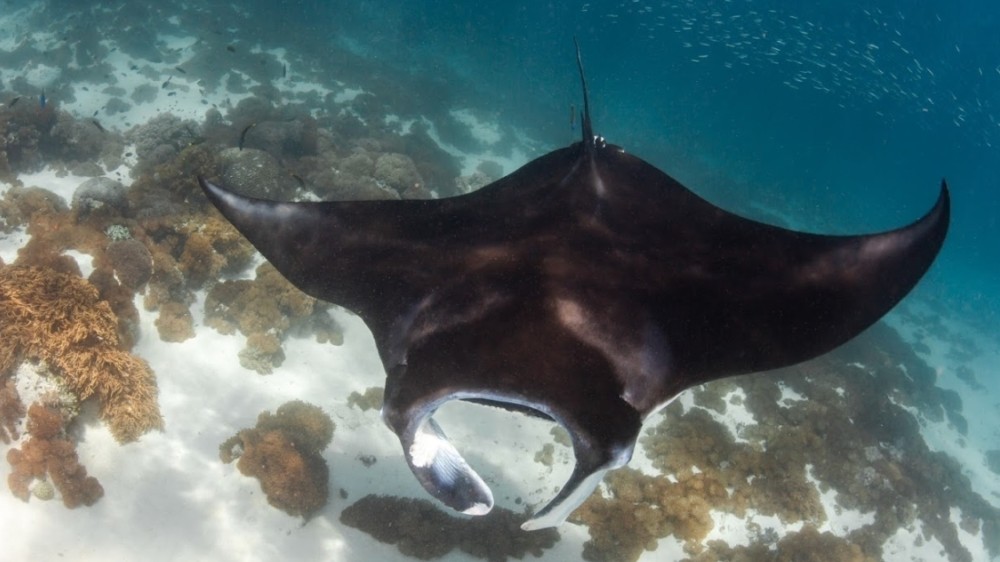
x: 11, y: 408
x: 23, y: 130
x: 161, y: 138
x: 61, y: 320
x: 283, y: 453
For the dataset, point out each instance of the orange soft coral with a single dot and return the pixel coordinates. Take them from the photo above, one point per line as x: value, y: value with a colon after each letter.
x: 48, y: 454
x: 265, y: 309
x: 59, y: 318
x: 283, y: 453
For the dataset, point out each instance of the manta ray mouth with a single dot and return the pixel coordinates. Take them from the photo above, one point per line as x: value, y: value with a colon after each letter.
x: 447, y: 476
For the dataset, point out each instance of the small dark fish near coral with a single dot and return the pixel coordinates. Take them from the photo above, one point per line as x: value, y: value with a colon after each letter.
x: 179, y: 69
x: 14, y: 101
x: 98, y: 125
x: 231, y: 48
x: 588, y: 287
x: 42, y: 100
x: 284, y: 71
x: 165, y: 84
x: 243, y: 135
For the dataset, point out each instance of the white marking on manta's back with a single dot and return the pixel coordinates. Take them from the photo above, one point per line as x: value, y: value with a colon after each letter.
x: 600, y: 189
x: 432, y: 314
x: 640, y: 356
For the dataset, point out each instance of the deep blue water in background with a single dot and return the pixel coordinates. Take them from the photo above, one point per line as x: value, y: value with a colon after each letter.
x: 844, y: 115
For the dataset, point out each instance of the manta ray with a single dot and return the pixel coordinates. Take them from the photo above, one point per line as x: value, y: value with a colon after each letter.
x: 587, y: 287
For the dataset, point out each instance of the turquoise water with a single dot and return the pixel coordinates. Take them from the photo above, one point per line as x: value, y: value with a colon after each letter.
x: 846, y: 113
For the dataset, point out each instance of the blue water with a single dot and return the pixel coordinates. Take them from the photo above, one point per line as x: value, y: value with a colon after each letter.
x: 848, y: 114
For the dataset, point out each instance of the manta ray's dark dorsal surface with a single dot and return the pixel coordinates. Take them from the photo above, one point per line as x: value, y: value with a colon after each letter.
x: 588, y: 286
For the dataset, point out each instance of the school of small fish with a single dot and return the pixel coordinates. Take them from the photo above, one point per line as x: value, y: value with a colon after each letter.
x: 862, y: 55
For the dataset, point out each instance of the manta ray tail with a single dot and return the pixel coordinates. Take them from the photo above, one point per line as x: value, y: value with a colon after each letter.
x: 586, y: 127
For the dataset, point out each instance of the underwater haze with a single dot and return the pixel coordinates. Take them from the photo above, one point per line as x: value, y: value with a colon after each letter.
x: 165, y: 393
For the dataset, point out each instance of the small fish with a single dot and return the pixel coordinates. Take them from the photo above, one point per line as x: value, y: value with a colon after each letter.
x: 96, y: 111
x: 98, y: 125
x: 284, y: 71
x: 243, y: 135
x: 42, y: 100
x: 230, y: 48
x: 179, y: 69
x: 572, y: 117
x: 166, y: 83
x: 298, y: 178
x: 172, y: 94
x: 14, y: 101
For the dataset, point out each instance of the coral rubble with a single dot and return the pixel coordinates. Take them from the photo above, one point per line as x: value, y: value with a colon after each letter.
x: 283, y: 452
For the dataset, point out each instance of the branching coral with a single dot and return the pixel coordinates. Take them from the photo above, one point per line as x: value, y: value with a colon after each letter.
x: 47, y: 453
x: 420, y: 530
x: 60, y: 319
x: 283, y: 453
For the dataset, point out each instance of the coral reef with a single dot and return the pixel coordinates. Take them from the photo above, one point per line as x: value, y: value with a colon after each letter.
x: 850, y: 432
x: 420, y: 530
x: 131, y: 262
x: 32, y: 136
x: 175, y: 323
x: 23, y: 130
x: 806, y: 544
x: 161, y: 139
x: 48, y: 454
x: 100, y: 195
x: 79, y: 141
x: 370, y: 400
x: 257, y: 174
x: 399, y: 173
x: 265, y: 309
x: 283, y: 452
x: 60, y: 319
x: 643, y: 508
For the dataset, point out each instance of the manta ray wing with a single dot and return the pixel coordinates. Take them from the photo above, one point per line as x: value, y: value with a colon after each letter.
x: 588, y: 287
